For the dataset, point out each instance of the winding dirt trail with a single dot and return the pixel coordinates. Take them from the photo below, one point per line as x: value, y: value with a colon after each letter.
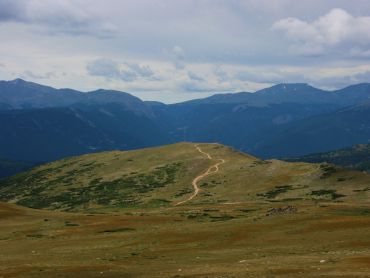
x: 211, y: 170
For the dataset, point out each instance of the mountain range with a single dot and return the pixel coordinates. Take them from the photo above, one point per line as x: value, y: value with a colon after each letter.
x: 41, y: 123
x: 356, y: 157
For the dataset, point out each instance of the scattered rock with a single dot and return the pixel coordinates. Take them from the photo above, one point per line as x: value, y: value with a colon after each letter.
x: 282, y: 210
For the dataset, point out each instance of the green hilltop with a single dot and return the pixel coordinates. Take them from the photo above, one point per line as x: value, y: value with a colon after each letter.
x: 162, y: 177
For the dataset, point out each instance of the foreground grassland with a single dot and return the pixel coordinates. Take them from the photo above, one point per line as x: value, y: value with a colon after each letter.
x: 113, y: 214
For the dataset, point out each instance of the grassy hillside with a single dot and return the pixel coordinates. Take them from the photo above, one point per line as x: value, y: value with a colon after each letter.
x: 356, y: 157
x: 163, y: 176
x: 252, y: 218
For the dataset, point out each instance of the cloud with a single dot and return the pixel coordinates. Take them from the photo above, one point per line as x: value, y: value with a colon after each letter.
x: 272, y: 76
x: 56, y: 17
x: 11, y: 10
x: 103, y: 67
x: 341, y: 81
x: 144, y: 71
x: 362, y: 77
x: 112, y: 70
x: 217, y: 79
x: 222, y: 75
x: 191, y: 87
x: 195, y: 83
x: 30, y: 74
x: 336, y: 31
x: 178, y: 55
x: 173, y: 48
x: 194, y: 76
x: 360, y: 53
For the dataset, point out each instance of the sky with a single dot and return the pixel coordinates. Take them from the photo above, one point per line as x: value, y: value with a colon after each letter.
x: 176, y: 50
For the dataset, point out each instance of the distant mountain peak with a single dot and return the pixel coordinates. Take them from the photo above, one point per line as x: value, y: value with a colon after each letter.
x: 360, y: 86
x: 106, y: 91
x: 289, y: 88
x: 17, y: 81
x: 292, y: 86
x: 19, y: 93
x: 24, y: 83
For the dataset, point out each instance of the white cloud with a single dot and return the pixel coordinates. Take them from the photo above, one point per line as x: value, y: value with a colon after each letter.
x: 338, y: 30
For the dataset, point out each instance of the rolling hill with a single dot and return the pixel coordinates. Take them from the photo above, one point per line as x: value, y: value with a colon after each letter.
x: 130, y: 214
x: 163, y: 176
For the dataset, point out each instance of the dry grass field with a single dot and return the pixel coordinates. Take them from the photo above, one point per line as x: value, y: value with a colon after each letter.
x: 113, y: 214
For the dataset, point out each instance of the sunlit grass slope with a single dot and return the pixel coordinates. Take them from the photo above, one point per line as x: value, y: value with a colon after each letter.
x: 162, y: 176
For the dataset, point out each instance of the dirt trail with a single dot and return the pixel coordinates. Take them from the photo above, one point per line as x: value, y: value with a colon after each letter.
x: 211, y: 170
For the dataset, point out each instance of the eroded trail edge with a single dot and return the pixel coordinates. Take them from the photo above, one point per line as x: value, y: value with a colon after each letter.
x: 211, y: 170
